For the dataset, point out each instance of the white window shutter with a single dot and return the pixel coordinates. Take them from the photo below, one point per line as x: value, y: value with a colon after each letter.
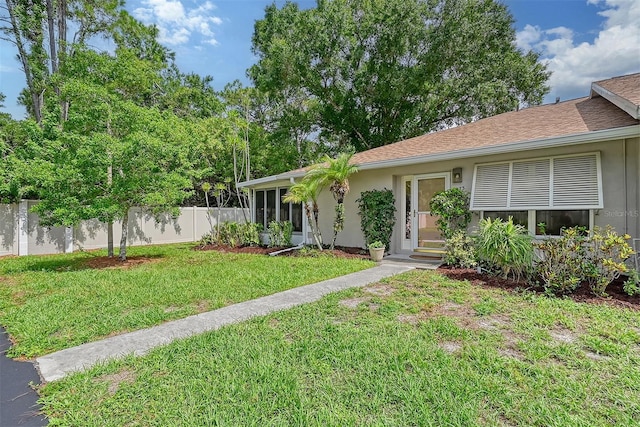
x: 530, y: 184
x: 491, y: 186
x: 575, y: 182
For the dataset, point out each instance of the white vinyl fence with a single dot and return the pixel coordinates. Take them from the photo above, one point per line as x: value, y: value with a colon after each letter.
x: 20, y: 233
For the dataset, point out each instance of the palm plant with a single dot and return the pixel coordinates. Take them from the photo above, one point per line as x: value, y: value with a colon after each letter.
x: 306, y: 193
x: 335, y: 173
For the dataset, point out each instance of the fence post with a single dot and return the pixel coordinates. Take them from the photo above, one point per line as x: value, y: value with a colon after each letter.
x: 23, y: 228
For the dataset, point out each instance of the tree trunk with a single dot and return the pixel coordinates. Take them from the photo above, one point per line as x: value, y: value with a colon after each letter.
x: 123, y: 239
x: 338, y: 224
x: 110, y: 239
x: 316, y: 235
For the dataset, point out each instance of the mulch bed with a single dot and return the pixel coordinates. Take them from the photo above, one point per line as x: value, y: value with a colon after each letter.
x: 615, y: 294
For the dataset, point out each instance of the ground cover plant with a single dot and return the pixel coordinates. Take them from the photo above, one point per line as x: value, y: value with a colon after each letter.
x: 416, y: 349
x: 48, y: 303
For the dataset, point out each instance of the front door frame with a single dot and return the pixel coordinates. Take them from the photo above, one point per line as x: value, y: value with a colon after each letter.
x: 414, y: 202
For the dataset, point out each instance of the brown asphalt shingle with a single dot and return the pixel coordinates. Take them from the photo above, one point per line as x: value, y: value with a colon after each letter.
x: 547, y: 121
x: 627, y: 87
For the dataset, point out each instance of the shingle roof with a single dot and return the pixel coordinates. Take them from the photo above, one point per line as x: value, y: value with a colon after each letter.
x: 627, y: 87
x: 547, y: 121
x: 577, y: 116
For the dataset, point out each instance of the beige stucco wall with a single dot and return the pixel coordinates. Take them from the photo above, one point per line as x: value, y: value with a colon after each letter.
x: 621, y: 187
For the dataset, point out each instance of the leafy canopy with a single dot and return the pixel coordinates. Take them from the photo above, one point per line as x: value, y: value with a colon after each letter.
x: 373, y: 72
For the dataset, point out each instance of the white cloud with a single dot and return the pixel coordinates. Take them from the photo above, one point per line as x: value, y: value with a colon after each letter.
x: 614, y: 51
x: 178, y: 24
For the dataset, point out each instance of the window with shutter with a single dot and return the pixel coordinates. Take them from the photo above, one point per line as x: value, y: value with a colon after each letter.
x: 552, y: 183
x: 490, y: 186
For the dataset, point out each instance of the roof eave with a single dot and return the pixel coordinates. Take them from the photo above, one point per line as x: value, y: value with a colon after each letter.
x: 272, y: 178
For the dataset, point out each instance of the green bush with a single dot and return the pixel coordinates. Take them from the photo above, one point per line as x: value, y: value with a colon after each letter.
x: 377, y: 211
x: 460, y: 250
x: 561, y: 262
x: 234, y: 234
x: 606, y: 253
x: 280, y: 234
x: 452, y: 208
x: 597, y: 258
x: 505, y: 246
x: 632, y: 284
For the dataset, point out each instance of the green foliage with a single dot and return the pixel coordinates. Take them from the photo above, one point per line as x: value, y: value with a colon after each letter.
x: 377, y: 245
x: 234, y: 234
x: 597, y: 258
x: 362, y: 74
x: 335, y: 173
x: 561, y: 261
x: 460, y: 250
x: 632, y: 284
x: 306, y: 192
x: 606, y: 253
x: 452, y: 208
x: 377, y: 211
x: 280, y: 234
x: 505, y: 246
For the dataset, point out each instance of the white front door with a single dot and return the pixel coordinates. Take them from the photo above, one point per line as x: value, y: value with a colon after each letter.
x: 425, y: 233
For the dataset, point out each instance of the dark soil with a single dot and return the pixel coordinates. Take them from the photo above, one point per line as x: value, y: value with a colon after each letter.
x: 615, y: 294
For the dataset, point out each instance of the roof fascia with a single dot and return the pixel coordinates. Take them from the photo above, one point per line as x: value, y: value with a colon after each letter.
x: 624, y: 104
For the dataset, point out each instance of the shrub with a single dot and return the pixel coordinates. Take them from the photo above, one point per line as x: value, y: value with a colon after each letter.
x: 234, y: 234
x: 632, y: 284
x: 506, y: 246
x: 452, y: 208
x: 280, y: 233
x: 460, y: 250
x: 377, y: 211
x: 561, y: 262
x: 597, y: 258
x: 606, y: 252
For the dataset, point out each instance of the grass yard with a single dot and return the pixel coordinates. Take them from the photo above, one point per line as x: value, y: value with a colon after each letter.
x: 48, y: 303
x: 417, y: 349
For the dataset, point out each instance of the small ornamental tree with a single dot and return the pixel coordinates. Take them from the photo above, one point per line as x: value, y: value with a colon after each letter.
x: 452, y: 208
x: 377, y: 215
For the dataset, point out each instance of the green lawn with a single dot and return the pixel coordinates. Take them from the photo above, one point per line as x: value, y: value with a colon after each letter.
x: 48, y: 303
x: 418, y: 349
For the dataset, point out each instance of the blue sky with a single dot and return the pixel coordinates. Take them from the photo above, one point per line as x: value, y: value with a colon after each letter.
x: 581, y: 40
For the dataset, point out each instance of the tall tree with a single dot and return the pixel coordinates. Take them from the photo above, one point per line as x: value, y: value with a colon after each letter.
x: 335, y: 173
x: 378, y: 71
x: 40, y: 31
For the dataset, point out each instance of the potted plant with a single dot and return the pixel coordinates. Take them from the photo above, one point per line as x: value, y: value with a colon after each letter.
x: 376, y: 250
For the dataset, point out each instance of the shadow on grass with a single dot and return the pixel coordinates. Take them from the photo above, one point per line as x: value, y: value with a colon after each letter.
x: 62, y: 264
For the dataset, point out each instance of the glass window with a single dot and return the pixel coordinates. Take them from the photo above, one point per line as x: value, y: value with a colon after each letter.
x: 271, y: 207
x: 296, y: 216
x: 555, y: 221
x: 260, y: 207
x: 519, y: 217
x: 284, y: 207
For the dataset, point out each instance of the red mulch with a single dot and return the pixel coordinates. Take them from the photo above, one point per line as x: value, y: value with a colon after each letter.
x: 339, y: 251
x: 615, y: 294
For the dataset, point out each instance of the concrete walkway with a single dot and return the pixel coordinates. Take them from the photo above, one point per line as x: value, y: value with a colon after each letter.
x: 56, y: 365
